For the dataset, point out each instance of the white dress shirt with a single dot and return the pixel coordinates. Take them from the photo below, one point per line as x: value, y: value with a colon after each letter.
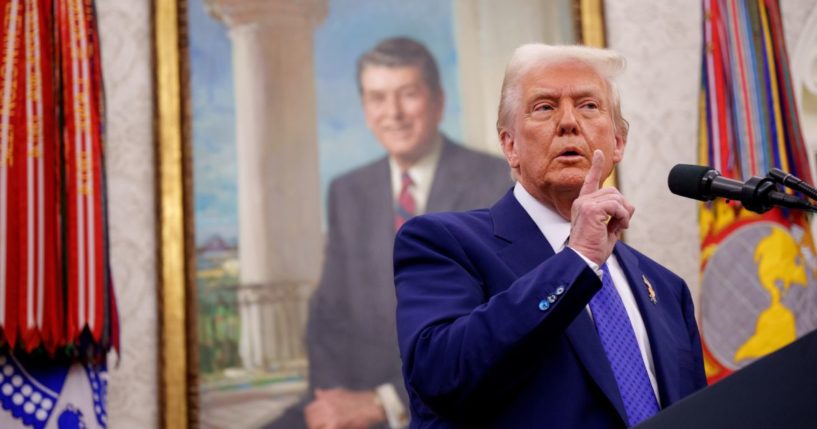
x: 556, y: 230
x: 421, y: 173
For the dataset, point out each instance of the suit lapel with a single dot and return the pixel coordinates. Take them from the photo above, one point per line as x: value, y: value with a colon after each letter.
x: 381, y: 201
x: 450, y: 178
x: 659, y: 334
x: 527, y: 248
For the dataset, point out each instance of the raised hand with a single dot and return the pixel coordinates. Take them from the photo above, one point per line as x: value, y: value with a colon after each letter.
x: 598, y: 216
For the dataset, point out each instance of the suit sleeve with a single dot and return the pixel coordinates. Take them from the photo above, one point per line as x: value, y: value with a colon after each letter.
x: 462, y: 349
x: 326, y: 322
x: 323, y: 336
x: 324, y: 347
x: 329, y: 326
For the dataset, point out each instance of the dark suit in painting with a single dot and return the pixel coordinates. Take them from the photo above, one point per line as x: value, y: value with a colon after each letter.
x: 351, y: 334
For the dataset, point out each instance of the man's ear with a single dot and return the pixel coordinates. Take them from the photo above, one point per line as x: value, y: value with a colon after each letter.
x: 618, y: 152
x: 509, y: 148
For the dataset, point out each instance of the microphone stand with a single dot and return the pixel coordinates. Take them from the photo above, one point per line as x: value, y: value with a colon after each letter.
x: 760, y: 194
x: 754, y: 194
x: 792, y: 182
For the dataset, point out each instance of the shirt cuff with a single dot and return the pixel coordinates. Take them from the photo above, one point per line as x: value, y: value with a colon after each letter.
x: 593, y: 266
x: 395, y: 411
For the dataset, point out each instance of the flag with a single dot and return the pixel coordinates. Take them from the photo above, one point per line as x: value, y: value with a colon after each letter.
x: 41, y: 391
x: 58, y: 314
x: 758, y: 271
x: 55, y: 283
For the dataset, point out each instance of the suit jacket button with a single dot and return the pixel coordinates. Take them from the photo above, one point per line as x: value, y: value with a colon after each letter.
x: 552, y: 299
x: 560, y: 290
x: 544, y: 304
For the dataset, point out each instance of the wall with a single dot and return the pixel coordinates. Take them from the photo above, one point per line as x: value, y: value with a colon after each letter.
x: 125, y: 28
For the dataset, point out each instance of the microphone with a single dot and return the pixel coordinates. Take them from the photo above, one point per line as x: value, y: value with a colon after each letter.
x: 756, y: 194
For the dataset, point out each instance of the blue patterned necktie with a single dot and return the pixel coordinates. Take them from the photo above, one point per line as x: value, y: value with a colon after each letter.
x: 618, y: 339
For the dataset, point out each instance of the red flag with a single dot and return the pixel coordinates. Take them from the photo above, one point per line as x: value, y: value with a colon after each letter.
x: 38, y: 198
x: 12, y: 136
x: 55, y: 282
x: 82, y: 135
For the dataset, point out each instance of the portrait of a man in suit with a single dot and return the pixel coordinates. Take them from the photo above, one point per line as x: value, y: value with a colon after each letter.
x: 532, y: 312
x: 355, y: 379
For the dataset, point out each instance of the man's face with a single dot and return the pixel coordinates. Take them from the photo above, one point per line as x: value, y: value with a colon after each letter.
x: 563, y: 116
x: 401, y: 110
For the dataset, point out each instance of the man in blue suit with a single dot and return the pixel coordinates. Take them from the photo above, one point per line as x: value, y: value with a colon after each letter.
x: 532, y: 313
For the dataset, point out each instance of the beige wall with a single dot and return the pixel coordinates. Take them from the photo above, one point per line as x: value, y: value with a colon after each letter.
x: 126, y: 55
x: 661, y: 40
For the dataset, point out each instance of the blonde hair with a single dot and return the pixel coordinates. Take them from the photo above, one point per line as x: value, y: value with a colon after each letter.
x: 608, y: 64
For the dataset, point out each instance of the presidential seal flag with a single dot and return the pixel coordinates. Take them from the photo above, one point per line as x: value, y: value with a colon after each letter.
x: 57, y: 309
x: 758, y: 278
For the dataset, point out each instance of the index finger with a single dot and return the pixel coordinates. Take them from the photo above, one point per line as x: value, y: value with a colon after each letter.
x: 591, y: 181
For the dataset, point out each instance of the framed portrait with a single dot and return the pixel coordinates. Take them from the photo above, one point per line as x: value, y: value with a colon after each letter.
x: 261, y: 107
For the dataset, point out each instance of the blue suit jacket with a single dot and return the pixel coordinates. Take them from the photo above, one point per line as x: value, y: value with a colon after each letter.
x: 477, y: 350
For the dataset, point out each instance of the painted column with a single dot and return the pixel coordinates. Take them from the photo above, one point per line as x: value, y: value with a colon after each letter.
x: 280, y: 241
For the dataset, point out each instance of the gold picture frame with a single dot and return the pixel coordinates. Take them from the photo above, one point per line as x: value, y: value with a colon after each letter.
x: 178, y: 379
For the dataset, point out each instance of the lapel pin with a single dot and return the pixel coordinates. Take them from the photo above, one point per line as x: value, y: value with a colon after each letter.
x: 650, y: 290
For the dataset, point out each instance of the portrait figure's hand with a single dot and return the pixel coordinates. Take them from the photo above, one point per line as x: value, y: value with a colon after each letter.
x: 343, y: 409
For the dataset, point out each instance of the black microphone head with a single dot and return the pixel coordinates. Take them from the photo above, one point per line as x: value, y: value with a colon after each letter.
x: 687, y: 181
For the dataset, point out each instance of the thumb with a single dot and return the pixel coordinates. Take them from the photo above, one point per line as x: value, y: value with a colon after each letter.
x: 591, y: 181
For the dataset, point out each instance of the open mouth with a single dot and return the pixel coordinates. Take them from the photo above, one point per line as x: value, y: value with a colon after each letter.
x: 571, y: 153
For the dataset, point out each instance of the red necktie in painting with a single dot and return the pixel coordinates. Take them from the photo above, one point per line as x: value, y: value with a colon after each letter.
x: 406, y: 207
x: 54, y: 276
